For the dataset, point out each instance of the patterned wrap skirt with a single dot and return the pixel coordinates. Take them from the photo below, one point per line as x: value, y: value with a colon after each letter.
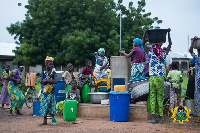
x: 137, y: 70
x: 16, y: 96
x: 48, y: 104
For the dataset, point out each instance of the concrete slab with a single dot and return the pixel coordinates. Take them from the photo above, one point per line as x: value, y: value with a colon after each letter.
x: 137, y: 112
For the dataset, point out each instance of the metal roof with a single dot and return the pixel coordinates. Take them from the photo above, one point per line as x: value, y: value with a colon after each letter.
x: 6, y: 48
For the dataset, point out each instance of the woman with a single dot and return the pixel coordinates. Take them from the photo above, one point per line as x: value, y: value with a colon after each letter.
x: 4, y: 98
x: 48, y: 103
x: 15, y: 93
x: 138, y: 54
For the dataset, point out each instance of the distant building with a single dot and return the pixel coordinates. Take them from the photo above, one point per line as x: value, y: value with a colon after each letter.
x: 181, y: 59
x: 7, y: 56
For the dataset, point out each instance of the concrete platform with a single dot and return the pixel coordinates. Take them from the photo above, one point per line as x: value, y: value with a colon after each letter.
x: 137, y: 112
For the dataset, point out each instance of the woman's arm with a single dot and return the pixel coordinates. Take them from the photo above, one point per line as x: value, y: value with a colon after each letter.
x: 170, y: 42
x: 143, y: 41
x: 192, y: 44
x: 102, y: 67
x: 127, y: 55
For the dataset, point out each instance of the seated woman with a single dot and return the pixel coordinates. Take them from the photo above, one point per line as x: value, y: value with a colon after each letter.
x: 100, y: 72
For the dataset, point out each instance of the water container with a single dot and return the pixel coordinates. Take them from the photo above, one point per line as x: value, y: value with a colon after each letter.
x: 85, y: 90
x: 119, y: 88
x: 119, y: 105
x: 157, y: 35
x: 196, y: 43
x: 68, y: 87
x: 59, y: 91
x: 36, y: 108
x: 70, y: 110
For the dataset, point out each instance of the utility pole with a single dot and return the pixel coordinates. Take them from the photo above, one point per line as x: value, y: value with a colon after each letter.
x: 120, y: 41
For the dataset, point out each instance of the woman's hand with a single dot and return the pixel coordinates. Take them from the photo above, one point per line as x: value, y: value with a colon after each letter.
x: 122, y: 52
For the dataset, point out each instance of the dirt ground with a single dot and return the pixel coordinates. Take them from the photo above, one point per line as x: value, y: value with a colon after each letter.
x: 27, y: 123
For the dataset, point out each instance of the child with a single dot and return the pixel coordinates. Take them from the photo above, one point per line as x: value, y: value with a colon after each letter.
x: 138, y: 54
x: 48, y: 103
x: 175, y: 78
x: 100, y: 72
x: 74, y: 93
x: 101, y: 54
x: 4, y: 98
x: 156, y: 80
x: 68, y: 75
x: 191, y: 80
x: 197, y: 77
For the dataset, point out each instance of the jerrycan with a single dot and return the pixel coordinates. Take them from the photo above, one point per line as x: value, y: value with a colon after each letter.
x: 85, y: 90
x: 70, y: 110
x: 67, y: 88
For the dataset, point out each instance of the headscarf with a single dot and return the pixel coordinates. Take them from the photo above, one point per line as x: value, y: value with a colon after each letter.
x: 48, y: 59
x: 193, y: 61
x: 139, y: 42
x: 99, y: 59
x: 101, y: 50
x: 157, y: 50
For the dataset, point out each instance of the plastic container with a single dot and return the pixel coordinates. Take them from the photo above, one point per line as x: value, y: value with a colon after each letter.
x: 119, y: 88
x: 157, y: 35
x: 68, y: 87
x: 85, y: 90
x: 59, y: 91
x: 36, y: 108
x: 196, y: 43
x: 119, y: 105
x: 70, y: 110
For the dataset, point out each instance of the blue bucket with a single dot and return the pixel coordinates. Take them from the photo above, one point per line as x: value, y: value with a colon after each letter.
x: 36, y: 108
x: 119, y: 105
x: 59, y: 91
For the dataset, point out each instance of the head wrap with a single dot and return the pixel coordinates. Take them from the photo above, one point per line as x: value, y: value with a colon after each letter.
x: 20, y: 64
x: 101, y: 50
x: 139, y: 42
x: 48, y: 59
x: 193, y: 61
x: 99, y: 59
x: 157, y: 50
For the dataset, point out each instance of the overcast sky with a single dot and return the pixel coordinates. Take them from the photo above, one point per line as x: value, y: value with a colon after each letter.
x: 182, y: 16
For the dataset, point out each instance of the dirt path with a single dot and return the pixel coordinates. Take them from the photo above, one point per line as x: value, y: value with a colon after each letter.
x: 27, y: 123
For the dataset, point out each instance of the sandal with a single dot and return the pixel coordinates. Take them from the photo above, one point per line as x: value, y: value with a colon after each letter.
x: 19, y: 113
x: 53, y: 124
x: 158, y: 121
x: 10, y: 114
x: 150, y: 121
x: 42, y: 123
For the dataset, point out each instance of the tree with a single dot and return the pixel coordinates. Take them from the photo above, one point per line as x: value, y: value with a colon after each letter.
x: 71, y: 31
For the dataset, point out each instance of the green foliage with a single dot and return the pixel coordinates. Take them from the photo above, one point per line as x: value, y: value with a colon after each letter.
x: 184, y: 84
x: 71, y: 31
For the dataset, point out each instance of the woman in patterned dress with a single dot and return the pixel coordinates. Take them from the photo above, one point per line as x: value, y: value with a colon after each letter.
x: 4, y: 98
x: 14, y: 89
x: 156, y: 80
x: 48, y: 103
x: 197, y: 77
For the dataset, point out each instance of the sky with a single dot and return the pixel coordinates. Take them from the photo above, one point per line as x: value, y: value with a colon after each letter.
x: 182, y: 16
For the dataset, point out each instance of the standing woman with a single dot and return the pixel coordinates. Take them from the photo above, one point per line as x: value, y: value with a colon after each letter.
x: 4, y: 98
x: 48, y: 103
x: 197, y: 77
x: 138, y: 55
x: 14, y: 89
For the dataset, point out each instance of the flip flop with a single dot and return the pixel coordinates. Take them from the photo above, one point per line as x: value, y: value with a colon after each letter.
x: 10, y: 114
x: 42, y: 123
x: 150, y: 121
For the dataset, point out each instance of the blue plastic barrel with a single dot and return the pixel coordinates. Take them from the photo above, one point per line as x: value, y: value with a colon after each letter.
x: 59, y: 91
x: 36, y: 108
x: 119, y: 105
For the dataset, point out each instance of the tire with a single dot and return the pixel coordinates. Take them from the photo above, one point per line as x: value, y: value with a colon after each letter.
x: 29, y: 94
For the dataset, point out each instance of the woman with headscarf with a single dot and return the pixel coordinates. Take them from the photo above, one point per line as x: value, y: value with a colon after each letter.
x: 4, y: 98
x: 14, y: 89
x: 101, y: 54
x: 197, y: 77
x: 156, y: 80
x: 138, y: 57
x: 48, y: 103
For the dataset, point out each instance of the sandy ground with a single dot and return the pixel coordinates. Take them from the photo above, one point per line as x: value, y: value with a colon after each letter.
x: 27, y: 123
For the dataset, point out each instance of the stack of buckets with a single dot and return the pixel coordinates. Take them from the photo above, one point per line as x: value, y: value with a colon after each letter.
x: 119, y: 104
